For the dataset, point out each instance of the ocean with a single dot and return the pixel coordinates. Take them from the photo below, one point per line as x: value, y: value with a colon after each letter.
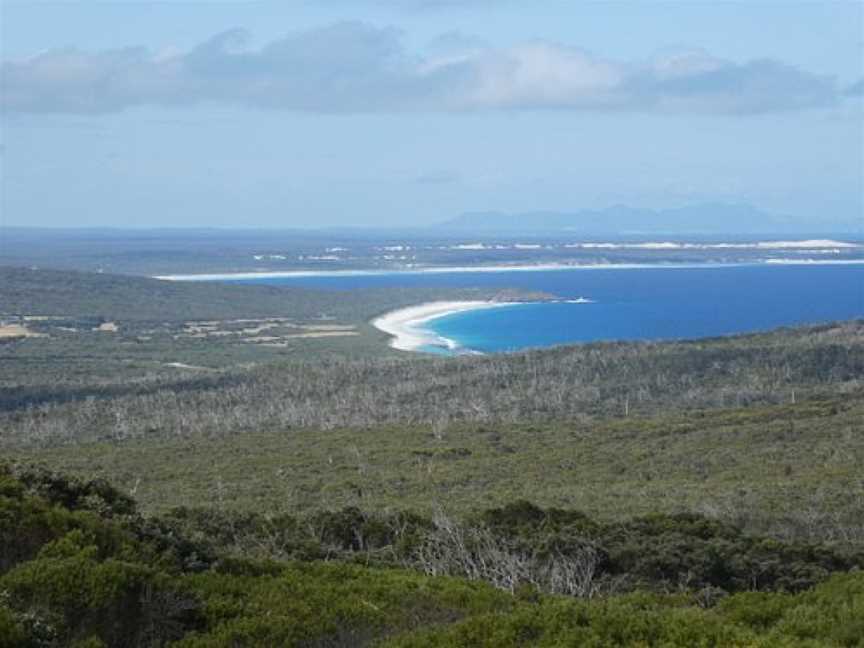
x: 645, y: 303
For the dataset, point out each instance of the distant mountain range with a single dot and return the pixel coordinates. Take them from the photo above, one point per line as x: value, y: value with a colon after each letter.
x: 705, y: 218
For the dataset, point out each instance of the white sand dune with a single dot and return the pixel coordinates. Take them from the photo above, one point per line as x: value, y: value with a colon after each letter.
x: 809, y: 244
x: 815, y: 261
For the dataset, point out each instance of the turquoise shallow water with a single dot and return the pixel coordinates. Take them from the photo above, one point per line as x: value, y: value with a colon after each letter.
x: 634, y: 303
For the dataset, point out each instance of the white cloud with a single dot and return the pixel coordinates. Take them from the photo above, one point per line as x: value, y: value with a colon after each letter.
x: 541, y: 75
x: 353, y: 67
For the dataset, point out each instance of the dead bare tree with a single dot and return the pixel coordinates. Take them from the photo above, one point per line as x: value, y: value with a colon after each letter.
x: 476, y: 553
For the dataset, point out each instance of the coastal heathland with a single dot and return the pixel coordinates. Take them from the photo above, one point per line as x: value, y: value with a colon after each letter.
x: 283, y: 477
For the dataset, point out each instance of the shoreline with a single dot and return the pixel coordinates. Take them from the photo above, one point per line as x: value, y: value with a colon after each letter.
x: 405, y: 325
x: 297, y: 274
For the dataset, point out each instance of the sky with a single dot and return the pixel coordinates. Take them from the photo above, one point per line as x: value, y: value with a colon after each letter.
x: 400, y: 113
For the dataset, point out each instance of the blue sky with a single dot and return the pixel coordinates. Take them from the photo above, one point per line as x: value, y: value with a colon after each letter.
x: 408, y: 112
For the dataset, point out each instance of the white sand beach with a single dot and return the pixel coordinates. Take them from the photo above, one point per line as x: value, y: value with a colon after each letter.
x: 406, y: 324
x: 544, y: 267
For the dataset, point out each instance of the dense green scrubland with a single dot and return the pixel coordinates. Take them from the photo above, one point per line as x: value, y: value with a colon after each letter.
x: 327, y: 491
x: 142, y: 299
x: 79, y: 566
x: 764, y: 429
x: 790, y: 470
x: 157, y: 327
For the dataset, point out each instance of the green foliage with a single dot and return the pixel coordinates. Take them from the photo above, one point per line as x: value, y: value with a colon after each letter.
x: 12, y: 633
x: 788, y: 470
x: 28, y: 521
x: 307, y: 466
x: 614, y: 623
x: 76, y: 494
x: 94, y: 577
x: 829, y: 615
x: 524, y: 519
x: 833, y: 612
x: 690, y: 550
x: 329, y: 604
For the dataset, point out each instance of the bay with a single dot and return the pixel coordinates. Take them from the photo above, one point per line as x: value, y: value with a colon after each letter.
x: 644, y: 303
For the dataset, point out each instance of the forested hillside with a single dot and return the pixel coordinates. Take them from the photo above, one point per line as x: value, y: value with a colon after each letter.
x: 578, y: 383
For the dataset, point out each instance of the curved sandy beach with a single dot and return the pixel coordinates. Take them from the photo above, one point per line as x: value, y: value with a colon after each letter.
x: 406, y: 324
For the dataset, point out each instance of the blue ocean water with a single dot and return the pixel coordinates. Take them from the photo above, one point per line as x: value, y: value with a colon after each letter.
x: 633, y: 303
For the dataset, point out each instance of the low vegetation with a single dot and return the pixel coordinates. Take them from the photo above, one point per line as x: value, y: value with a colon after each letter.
x: 74, y: 294
x: 157, y: 252
x: 792, y: 471
x: 92, y: 331
x: 259, y: 469
x: 569, y: 383
x: 85, y: 569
